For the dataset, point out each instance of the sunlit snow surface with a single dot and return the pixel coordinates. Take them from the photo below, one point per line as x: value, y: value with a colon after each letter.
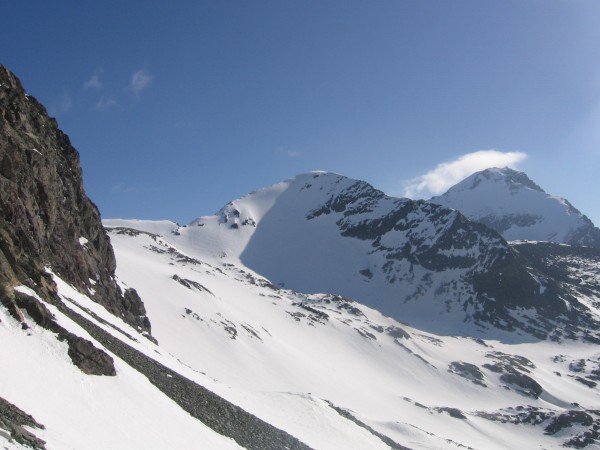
x: 286, y: 356
x: 89, y: 412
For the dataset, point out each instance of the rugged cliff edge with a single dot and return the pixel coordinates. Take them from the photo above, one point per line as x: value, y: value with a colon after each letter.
x: 46, y: 219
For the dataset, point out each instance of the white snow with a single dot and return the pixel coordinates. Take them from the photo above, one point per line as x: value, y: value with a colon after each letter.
x: 496, y: 194
x: 91, y: 412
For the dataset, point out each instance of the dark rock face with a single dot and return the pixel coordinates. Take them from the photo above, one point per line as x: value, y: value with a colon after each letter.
x: 46, y: 219
x: 89, y: 359
x: 431, y: 233
x: 567, y: 273
x: 13, y: 419
x: 524, y: 383
x: 514, y: 370
x: 588, y: 236
x: 468, y: 371
x: 580, y: 428
x: 568, y: 419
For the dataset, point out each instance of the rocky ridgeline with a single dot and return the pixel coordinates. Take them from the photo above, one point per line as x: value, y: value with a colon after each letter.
x: 500, y: 282
x: 46, y: 219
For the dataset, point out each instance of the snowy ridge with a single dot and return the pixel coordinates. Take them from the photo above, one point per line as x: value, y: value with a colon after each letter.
x: 510, y: 203
x: 322, y: 232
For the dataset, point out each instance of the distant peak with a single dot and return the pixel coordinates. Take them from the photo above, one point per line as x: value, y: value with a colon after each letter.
x: 317, y: 174
x: 513, y: 179
x: 323, y: 177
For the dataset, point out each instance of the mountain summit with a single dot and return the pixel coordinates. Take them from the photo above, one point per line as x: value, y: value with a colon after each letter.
x: 509, y: 202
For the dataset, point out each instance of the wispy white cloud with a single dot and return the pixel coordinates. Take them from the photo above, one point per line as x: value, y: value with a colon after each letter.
x: 447, y: 174
x: 93, y: 83
x: 140, y: 81
x: 107, y: 103
x: 294, y: 154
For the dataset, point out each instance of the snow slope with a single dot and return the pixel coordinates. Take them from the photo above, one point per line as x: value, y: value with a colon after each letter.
x: 304, y: 362
x: 510, y: 203
x: 322, y: 232
x: 82, y: 411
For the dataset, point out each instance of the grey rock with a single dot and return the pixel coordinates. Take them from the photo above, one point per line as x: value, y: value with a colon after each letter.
x: 13, y: 419
x: 89, y: 359
x: 46, y: 218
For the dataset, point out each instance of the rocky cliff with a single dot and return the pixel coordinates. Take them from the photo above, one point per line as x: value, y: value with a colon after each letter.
x: 47, y: 223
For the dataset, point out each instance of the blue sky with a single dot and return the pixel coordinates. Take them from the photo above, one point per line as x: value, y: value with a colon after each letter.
x: 178, y: 107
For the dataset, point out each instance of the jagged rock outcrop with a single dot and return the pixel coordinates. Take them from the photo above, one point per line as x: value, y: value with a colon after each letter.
x: 12, y: 426
x: 46, y: 219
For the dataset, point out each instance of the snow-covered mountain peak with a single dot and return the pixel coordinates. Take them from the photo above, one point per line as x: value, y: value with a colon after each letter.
x: 420, y: 262
x: 509, y: 202
x: 296, y: 197
x: 256, y: 204
x: 506, y: 178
